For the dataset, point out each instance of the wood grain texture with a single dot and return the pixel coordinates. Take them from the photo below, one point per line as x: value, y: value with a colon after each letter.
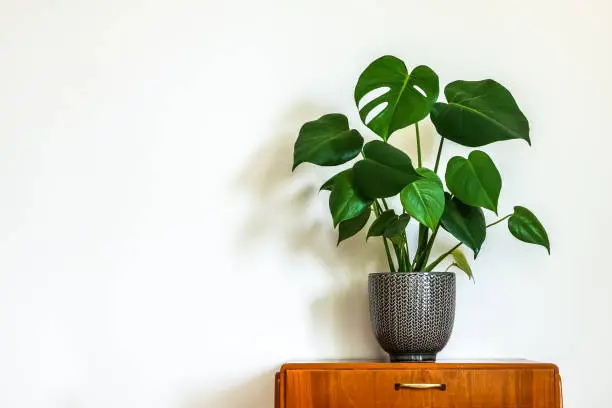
x: 559, y: 391
x: 379, y: 365
x: 372, y: 385
x: 277, y: 390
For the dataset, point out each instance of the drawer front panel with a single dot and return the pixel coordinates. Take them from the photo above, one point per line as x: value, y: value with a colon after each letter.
x: 465, y: 389
x: 442, y: 388
x: 330, y: 389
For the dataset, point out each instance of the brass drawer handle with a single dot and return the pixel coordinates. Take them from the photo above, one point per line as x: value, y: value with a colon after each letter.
x: 441, y: 387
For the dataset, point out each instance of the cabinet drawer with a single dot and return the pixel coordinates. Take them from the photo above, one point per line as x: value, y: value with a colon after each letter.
x: 330, y: 389
x: 421, y: 388
x: 499, y: 388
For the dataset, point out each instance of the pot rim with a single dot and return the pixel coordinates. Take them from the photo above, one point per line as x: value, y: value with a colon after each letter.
x: 411, y: 273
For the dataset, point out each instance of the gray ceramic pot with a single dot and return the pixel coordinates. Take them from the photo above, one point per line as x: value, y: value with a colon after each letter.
x: 412, y: 313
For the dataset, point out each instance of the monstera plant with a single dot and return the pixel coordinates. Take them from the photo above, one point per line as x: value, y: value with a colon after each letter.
x: 390, y: 98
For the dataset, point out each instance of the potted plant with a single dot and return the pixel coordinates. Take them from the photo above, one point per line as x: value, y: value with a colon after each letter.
x: 412, y: 306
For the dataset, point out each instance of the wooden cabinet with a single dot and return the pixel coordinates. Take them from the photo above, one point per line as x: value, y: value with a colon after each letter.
x: 519, y: 384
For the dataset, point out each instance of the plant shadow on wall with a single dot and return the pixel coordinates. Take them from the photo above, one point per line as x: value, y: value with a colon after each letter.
x: 371, y: 178
x: 288, y: 209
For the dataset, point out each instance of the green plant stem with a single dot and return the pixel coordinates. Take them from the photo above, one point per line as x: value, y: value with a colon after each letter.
x: 418, y: 140
x: 447, y: 253
x: 389, y: 259
x: 408, y: 265
x: 398, y: 256
x: 441, y: 258
x: 398, y: 249
x: 402, y: 259
x: 498, y: 221
x: 377, y: 211
x: 450, y: 266
x: 438, y: 155
x: 421, y: 245
x: 428, y: 248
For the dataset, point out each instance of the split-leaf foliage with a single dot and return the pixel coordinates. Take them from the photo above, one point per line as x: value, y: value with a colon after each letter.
x: 389, y: 98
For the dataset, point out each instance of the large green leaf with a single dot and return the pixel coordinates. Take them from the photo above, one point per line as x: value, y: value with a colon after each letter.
x: 479, y: 113
x: 464, y: 222
x: 384, y: 172
x: 389, y: 224
x: 329, y: 184
x: 348, y: 228
x: 344, y: 201
x: 424, y: 199
x: 474, y: 180
x: 461, y: 262
x: 408, y: 100
x: 377, y: 229
x: 527, y: 228
x: 327, y: 141
x: 398, y: 227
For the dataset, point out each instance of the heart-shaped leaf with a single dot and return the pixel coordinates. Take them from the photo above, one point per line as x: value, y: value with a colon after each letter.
x: 474, y: 180
x: 479, y: 113
x: 407, y: 100
x: 527, y: 228
x: 348, y: 228
x: 329, y: 184
x: 464, y: 222
x: 377, y: 229
x: 344, y: 201
x: 398, y: 227
x: 388, y: 224
x: 327, y: 141
x: 461, y: 262
x: 424, y: 199
x: 384, y: 172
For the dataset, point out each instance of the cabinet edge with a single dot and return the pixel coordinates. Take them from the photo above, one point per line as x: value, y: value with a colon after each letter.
x: 417, y: 366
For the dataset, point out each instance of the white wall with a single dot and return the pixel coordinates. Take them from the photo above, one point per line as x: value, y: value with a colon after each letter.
x: 155, y: 250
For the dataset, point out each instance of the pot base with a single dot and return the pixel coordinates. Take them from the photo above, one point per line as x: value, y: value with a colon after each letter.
x: 407, y: 358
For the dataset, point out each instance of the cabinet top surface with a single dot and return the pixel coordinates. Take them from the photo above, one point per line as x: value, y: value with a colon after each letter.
x: 440, y: 364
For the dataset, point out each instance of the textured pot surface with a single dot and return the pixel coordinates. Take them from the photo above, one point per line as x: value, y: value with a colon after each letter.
x: 412, y: 313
